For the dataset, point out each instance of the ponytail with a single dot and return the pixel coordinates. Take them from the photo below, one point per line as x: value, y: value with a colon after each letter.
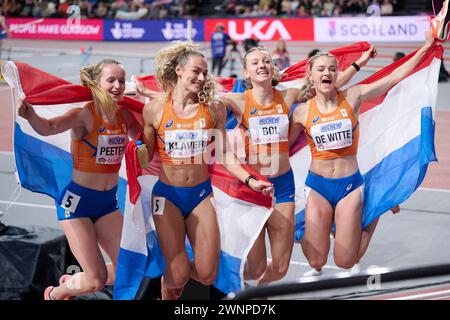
x: 102, y: 99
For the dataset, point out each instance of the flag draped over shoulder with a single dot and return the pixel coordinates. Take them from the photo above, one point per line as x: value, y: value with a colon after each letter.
x: 44, y: 163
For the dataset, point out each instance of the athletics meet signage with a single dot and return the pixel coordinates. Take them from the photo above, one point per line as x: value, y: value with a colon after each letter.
x: 371, y: 29
x: 55, y: 29
x: 339, y: 29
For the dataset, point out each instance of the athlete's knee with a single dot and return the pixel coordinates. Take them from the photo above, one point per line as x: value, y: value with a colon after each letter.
x: 280, y: 269
x: 96, y: 282
x: 317, y: 262
x: 255, y: 270
x: 207, y: 277
x: 180, y: 275
x: 345, y: 262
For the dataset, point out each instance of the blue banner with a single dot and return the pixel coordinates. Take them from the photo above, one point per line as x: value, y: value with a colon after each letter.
x: 152, y: 30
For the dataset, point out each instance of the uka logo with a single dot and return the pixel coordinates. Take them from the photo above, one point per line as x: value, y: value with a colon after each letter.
x: 255, y: 29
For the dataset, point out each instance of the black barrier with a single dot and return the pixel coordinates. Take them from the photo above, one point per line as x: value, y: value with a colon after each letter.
x: 340, y: 281
x: 31, y: 258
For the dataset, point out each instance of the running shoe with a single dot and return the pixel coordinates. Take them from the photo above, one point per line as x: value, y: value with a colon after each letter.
x: 313, y: 273
x: 439, y: 24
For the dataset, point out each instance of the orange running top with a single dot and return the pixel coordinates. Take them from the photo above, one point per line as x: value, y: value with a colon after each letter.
x: 184, y: 141
x: 102, y: 150
x: 268, y: 126
x: 332, y: 135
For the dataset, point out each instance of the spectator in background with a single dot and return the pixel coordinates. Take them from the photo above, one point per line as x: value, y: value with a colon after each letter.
x: 135, y: 12
x: 62, y: 8
x: 280, y: 55
x: 27, y: 9
x: 328, y: 7
x: 233, y: 55
x: 302, y: 12
x: 387, y: 8
x: 219, y: 42
x: 101, y: 11
x: 50, y: 12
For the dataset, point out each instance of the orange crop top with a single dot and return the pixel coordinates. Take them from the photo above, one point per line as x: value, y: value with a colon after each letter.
x: 268, y: 126
x: 184, y: 141
x: 102, y: 150
x: 332, y: 135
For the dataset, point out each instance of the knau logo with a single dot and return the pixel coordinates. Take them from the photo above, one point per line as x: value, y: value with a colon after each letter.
x: 254, y: 29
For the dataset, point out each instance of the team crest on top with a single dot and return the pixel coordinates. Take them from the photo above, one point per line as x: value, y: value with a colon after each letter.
x: 202, y: 123
x: 344, y: 113
x: 102, y: 129
x: 315, y: 119
x: 168, y: 124
x: 252, y: 112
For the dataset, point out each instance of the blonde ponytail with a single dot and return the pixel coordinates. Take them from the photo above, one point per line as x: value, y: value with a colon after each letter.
x: 102, y: 99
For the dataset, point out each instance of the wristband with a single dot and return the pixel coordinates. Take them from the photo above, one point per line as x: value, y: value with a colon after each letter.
x: 247, y: 180
x: 355, y: 65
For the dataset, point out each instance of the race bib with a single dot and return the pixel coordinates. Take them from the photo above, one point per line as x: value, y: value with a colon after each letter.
x: 185, y: 143
x: 158, y: 205
x: 269, y: 129
x: 70, y: 201
x: 332, y: 135
x: 111, y: 148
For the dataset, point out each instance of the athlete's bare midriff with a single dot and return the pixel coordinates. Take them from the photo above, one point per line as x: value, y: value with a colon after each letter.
x: 184, y: 176
x: 95, y: 181
x: 335, y: 168
x: 270, y: 165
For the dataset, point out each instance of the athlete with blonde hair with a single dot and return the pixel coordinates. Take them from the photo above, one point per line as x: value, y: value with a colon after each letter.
x: 187, y: 123
x: 87, y: 208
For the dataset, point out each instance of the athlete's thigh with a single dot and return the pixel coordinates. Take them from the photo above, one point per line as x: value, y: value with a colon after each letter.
x: 83, y: 242
x: 203, y: 231
x: 318, y: 219
x: 170, y: 228
x: 109, y: 233
x: 348, y: 215
x: 281, y: 229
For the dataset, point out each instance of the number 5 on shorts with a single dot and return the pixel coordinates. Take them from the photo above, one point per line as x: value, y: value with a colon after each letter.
x: 158, y: 205
x: 70, y: 201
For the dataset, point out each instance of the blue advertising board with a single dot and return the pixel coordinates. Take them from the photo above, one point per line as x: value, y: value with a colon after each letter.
x: 152, y: 30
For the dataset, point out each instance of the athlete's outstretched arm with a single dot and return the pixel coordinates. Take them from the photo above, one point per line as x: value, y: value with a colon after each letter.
x: 77, y: 117
x: 373, y: 90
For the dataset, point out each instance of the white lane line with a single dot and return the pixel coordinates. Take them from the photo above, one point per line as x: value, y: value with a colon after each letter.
x: 434, y: 190
x: 421, y: 296
x: 24, y: 204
